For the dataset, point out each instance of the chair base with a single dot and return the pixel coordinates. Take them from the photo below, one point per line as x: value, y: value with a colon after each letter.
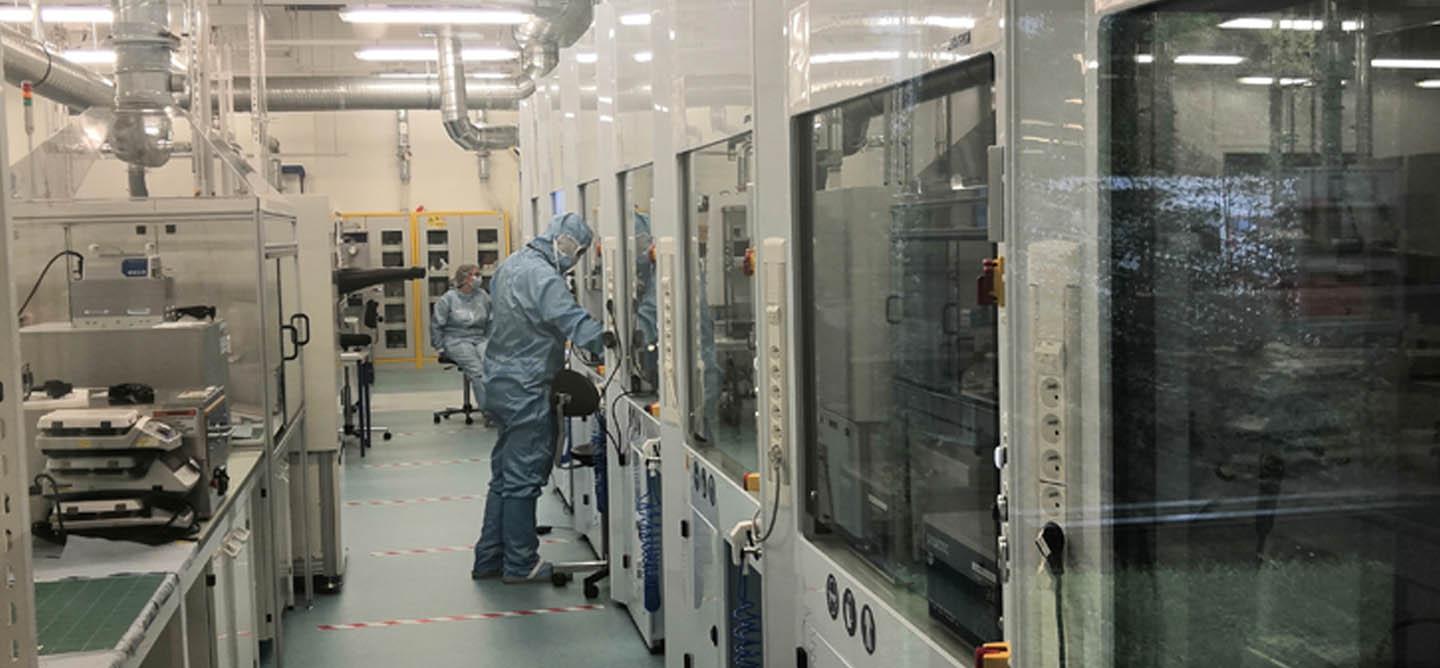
x: 467, y: 410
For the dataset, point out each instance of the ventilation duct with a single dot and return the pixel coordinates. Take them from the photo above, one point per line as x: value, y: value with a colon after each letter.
x: 454, y: 101
x: 144, y: 86
x: 52, y: 76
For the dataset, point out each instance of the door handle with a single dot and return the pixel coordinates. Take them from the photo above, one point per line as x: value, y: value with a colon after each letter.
x: 303, y: 318
x: 294, y: 336
x: 890, y: 309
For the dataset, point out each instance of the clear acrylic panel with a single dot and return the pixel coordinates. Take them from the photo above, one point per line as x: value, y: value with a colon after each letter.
x: 898, y: 349
x: 589, y: 274
x: 721, y: 254
x: 637, y: 193
x: 1274, y: 258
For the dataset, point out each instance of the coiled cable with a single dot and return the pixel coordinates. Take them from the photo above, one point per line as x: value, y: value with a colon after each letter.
x: 746, y: 645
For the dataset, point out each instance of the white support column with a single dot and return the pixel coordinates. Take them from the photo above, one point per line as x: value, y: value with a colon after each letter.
x: 17, y: 598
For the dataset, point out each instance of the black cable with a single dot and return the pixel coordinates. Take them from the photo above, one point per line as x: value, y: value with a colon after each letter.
x: 619, y: 448
x: 56, y: 511
x: 774, y: 508
x: 1059, y: 619
x: 36, y: 288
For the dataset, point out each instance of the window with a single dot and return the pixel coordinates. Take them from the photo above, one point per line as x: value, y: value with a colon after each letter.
x: 900, y: 382
x: 637, y: 188
x: 721, y: 255
x: 1274, y: 259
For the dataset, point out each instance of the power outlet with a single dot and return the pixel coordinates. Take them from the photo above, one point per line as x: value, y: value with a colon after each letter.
x: 1052, y: 501
x: 1050, y: 391
x: 1052, y: 467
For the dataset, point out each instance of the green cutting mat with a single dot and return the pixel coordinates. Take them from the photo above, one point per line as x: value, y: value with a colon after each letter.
x: 83, y: 615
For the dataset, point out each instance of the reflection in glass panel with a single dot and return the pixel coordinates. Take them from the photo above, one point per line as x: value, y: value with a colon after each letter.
x: 722, y: 304
x: 589, y: 274
x: 901, y: 385
x: 637, y: 188
x: 1275, y: 258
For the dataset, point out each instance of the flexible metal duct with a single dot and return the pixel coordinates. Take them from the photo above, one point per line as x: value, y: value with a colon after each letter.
x: 51, y: 75
x: 374, y: 94
x: 454, y: 105
x: 144, y: 87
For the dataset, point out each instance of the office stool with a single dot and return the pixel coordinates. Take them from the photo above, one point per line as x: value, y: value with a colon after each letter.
x: 467, y: 407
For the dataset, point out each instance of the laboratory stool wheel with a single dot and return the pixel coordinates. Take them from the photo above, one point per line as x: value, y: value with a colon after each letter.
x: 437, y: 419
x: 592, y: 591
x: 387, y: 435
x: 560, y: 579
x: 469, y: 420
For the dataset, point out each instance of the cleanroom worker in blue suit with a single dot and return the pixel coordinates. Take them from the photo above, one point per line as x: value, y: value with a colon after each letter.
x: 533, y: 314
x: 460, y: 326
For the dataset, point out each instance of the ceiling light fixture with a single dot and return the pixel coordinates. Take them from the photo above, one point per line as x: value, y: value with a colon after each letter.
x: 1208, y: 59
x: 853, y: 57
x: 587, y: 57
x: 423, y: 75
x: 1428, y: 83
x: 90, y: 56
x: 432, y: 16
x: 65, y: 14
x: 644, y: 57
x: 1406, y: 63
x: 635, y: 19
x: 423, y: 54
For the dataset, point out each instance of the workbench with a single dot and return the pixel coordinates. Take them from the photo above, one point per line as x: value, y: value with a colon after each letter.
x: 113, y: 604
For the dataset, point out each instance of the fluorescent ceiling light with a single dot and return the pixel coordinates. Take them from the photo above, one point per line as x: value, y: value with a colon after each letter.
x: 1270, y: 81
x: 961, y: 22
x: 1144, y: 59
x: 635, y: 19
x: 423, y: 75
x: 1428, y: 83
x: 90, y: 56
x: 1307, y: 25
x: 432, y: 16
x: 644, y: 57
x: 76, y: 15
x: 587, y: 57
x: 1208, y: 59
x: 853, y: 57
x: 1405, y: 64
x: 425, y: 54
x: 64, y: 14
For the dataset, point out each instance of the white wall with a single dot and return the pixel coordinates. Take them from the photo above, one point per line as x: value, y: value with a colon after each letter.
x: 349, y: 156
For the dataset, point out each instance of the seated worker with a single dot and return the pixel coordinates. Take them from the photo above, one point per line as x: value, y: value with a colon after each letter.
x: 534, y: 315
x: 460, y: 326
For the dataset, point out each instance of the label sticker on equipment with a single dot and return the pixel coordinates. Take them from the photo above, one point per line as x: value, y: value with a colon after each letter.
x: 472, y: 617
x: 849, y: 610
x: 867, y: 629
x: 832, y: 596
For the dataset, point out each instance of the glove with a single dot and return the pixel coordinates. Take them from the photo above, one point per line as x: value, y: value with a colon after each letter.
x: 610, y: 340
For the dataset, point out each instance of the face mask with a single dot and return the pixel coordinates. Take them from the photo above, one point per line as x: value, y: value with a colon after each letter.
x: 567, y: 250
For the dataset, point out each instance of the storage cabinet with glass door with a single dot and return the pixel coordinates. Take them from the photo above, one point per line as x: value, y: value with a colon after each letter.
x: 898, y: 347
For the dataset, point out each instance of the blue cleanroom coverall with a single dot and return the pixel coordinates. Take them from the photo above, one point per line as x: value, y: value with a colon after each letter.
x: 460, y: 326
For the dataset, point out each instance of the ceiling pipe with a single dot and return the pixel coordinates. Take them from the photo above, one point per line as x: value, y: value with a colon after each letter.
x: 144, y: 86
x: 51, y: 75
x: 454, y: 103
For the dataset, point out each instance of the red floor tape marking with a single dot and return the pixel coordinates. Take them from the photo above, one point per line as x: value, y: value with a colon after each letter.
x: 427, y: 462
x: 419, y: 551
x: 478, y: 616
x: 423, y: 499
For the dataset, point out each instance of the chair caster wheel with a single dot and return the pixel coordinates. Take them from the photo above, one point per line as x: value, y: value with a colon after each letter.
x: 387, y: 436
x: 437, y: 419
x: 560, y: 579
x: 592, y: 592
x: 469, y: 420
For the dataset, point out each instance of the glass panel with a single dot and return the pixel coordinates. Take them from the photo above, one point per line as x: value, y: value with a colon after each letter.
x: 589, y: 276
x: 1274, y: 265
x: 900, y: 371
x: 487, y: 236
x: 437, y: 237
x: 396, y: 339
x: 392, y: 237
x: 395, y: 290
x: 392, y: 259
x: 439, y: 286
x: 637, y: 188
x: 395, y: 313
x: 721, y: 256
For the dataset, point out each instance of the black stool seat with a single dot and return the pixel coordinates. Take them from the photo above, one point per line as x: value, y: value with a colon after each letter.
x: 355, y: 340
x: 468, y: 407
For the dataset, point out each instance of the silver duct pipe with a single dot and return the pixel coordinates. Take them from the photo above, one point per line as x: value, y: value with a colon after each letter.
x: 454, y: 102
x: 144, y: 87
x: 51, y: 75
x: 374, y: 94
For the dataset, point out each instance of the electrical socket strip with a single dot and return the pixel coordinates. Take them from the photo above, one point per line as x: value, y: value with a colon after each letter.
x: 777, y: 347
x: 610, y: 257
x: 1052, y: 267
x: 669, y: 363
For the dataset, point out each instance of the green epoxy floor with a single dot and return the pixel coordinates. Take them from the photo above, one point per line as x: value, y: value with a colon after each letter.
x: 437, y: 585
